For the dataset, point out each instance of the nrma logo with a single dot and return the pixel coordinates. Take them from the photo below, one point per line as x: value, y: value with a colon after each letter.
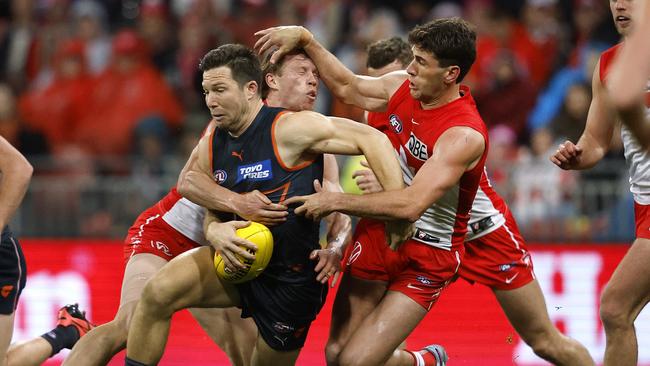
x: 256, y: 171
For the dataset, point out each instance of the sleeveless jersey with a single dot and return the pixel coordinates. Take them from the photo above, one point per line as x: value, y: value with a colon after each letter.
x: 184, y: 216
x: 637, y: 158
x: 444, y: 224
x: 6, y: 233
x: 487, y: 203
x: 251, y: 161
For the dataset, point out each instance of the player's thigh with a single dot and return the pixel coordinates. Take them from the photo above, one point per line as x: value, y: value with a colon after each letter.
x: 629, y: 286
x: 139, y: 270
x: 382, y: 331
x: 6, y: 332
x: 264, y: 355
x: 355, y: 299
x: 190, y: 280
x: 526, y: 310
x: 226, y: 326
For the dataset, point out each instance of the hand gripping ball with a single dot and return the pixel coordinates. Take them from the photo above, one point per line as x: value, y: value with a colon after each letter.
x: 259, y: 235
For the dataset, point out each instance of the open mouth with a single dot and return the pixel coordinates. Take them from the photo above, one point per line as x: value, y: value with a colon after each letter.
x: 623, y: 20
x: 312, y: 95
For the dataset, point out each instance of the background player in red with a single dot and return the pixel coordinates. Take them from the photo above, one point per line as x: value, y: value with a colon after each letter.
x: 16, y: 172
x: 630, y: 77
x: 442, y: 148
x: 627, y: 292
x: 496, y: 256
x: 231, y: 78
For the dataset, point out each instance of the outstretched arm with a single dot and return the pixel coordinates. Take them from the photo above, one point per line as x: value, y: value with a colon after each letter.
x: 597, y: 136
x: 16, y: 173
x: 368, y: 93
x: 629, y: 78
x: 456, y: 151
x: 196, y: 184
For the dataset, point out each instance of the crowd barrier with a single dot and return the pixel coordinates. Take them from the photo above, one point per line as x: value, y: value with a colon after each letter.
x: 467, y: 320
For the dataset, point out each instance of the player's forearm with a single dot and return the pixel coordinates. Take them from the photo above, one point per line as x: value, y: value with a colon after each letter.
x: 382, y: 160
x: 15, y: 180
x: 339, y: 231
x: 592, y: 151
x: 200, y: 189
x: 336, y: 76
x: 395, y: 205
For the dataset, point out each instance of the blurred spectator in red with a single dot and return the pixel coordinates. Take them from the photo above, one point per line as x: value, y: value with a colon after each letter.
x: 156, y: 29
x: 587, y: 16
x: 90, y: 26
x: 30, y: 143
x: 56, y: 110
x: 508, y: 97
x: 502, y: 156
x: 534, y: 41
x: 128, y: 91
x: 195, y: 41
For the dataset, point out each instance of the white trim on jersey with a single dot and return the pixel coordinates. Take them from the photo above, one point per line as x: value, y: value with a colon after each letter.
x: 186, y: 217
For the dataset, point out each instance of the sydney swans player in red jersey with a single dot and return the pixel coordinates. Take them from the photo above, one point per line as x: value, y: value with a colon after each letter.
x: 630, y: 77
x: 628, y: 291
x: 442, y: 144
x: 496, y: 255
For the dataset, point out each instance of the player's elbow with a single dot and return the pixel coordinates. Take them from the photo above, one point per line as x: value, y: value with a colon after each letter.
x: 184, y: 184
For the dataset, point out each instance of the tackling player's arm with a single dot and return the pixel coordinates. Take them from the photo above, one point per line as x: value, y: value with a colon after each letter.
x: 16, y: 173
x: 301, y: 136
x: 368, y: 93
x: 457, y: 150
x: 597, y: 136
x: 198, y: 186
x: 629, y: 77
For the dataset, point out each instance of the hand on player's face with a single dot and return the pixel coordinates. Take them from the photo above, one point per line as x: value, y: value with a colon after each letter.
x: 223, y: 238
x: 255, y: 206
x: 286, y: 38
x: 366, y: 180
x: 328, y: 266
x: 567, y: 156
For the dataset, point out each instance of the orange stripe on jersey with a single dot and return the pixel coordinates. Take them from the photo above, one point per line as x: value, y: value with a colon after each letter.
x: 211, y: 148
x: 206, y: 130
x: 277, y: 153
x: 284, y: 188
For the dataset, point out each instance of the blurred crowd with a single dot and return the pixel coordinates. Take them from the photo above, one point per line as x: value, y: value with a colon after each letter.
x: 91, y: 89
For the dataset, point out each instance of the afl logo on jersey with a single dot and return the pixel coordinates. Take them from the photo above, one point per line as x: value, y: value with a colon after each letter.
x: 256, y: 171
x: 395, y: 123
x: 220, y: 176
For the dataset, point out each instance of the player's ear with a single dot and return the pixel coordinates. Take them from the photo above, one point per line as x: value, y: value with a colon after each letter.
x: 269, y: 79
x: 451, y: 74
x: 251, y: 89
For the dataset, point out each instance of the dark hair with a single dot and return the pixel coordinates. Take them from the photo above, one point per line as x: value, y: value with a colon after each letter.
x: 276, y: 68
x: 452, y: 41
x: 385, y: 51
x: 241, y: 60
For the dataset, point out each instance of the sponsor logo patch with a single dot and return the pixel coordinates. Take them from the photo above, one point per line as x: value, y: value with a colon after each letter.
x: 417, y: 148
x: 258, y: 171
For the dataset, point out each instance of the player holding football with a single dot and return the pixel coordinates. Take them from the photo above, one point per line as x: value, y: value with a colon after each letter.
x: 287, y: 296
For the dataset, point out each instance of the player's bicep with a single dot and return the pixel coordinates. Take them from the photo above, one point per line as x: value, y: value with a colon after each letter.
x: 457, y: 150
x: 373, y: 94
x: 600, y: 118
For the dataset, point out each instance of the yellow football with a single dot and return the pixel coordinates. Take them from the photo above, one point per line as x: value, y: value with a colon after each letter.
x: 259, y: 235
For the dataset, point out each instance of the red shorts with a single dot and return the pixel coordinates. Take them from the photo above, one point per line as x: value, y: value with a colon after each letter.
x: 499, y: 260
x: 642, y: 220
x: 151, y: 234
x: 417, y: 270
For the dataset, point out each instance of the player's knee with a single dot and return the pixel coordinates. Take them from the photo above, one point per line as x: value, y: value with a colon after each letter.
x: 351, y: 359
x: 543, y: 347
x: 158, y: 294
x: 612, y: 313
x: 332, y: 351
